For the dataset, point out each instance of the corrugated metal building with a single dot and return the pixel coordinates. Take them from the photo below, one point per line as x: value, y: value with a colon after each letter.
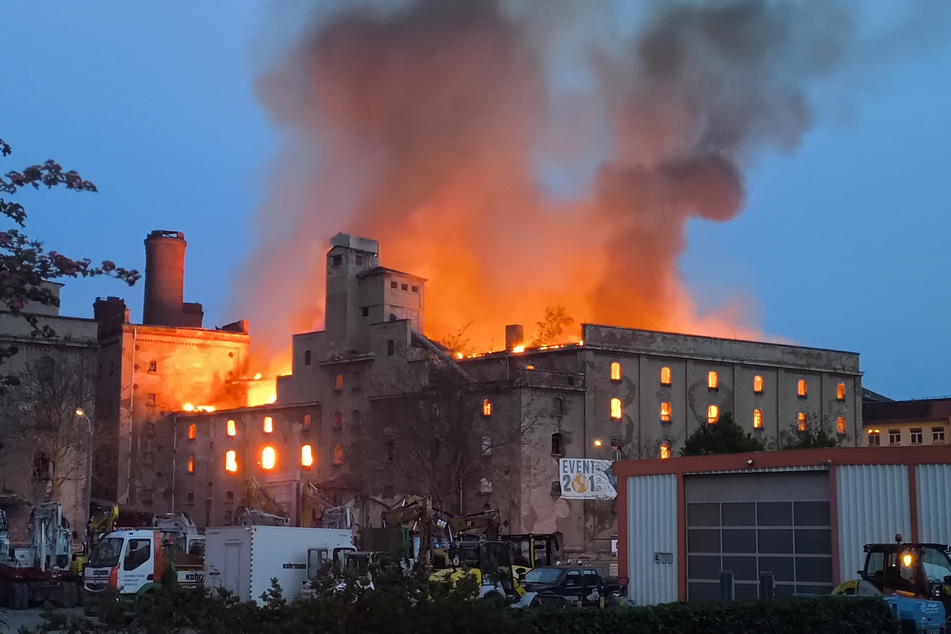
x: 801, y: 515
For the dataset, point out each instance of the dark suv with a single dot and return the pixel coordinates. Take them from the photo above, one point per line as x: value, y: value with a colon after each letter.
x: 571, y: 585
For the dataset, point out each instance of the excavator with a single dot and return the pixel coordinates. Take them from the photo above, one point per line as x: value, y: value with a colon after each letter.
x: 316, y: 510
x: 259, y: 508
x: 98, y: 525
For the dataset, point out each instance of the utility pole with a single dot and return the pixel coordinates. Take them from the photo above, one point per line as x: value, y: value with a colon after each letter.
x: 82, y: 414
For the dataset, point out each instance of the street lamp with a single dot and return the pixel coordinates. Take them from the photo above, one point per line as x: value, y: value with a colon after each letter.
x: 81, y: 414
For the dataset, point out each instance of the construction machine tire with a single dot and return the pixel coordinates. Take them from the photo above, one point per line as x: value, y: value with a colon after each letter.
x: 69, y: 595
x: 19, y: 596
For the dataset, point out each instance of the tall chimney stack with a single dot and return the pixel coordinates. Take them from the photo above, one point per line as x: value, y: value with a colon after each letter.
x: 514, y: 336
x: 164, y: 278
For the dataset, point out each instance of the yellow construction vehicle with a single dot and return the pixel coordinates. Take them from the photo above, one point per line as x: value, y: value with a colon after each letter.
x: 490, y: 563
x: 100, y: 525
x: 259, y: 508
x: 318, y: 511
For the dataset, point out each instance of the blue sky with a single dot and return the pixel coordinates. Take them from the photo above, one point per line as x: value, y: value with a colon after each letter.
x: 843, y: 243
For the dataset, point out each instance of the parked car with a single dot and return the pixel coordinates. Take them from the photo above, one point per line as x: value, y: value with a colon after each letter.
x: 572, y: 585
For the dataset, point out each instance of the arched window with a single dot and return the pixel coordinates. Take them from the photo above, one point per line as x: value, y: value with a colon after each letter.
x: 191, y: 463
x: 486, y: 407
x: 338, y: 383
x: 357, y: 382
x: 390, y: 347
x: 616, y: 411
x: 801, y: 421
x: 665, y: 412
x: 306, y: 456
x: 713, y: 380
x: 306, y: 426
x: 840, y: 391
x: 231, y: 461
x: 615, y: 371
x: 664, y: 450
x: 801, y: 387
x: 713, y: 414
x: 338, y: 454
x: 231, y: 428
x: 307, y: 357
x: 338, y: 420
x: 190, y: 498
x: 757, y: 419
x: 268, y: 458
x: 840, y: 425
x: 557, y: 444
x: 665, y: 375
x: 192, y: 431
x: 758, y: 384
x: 268, y: 424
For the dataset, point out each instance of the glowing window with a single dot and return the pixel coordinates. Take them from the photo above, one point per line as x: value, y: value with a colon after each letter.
x: 268, y: 424
x: 338, y: 454
x: 801, y: 387
x: 665, y: 451
x: 874, y: 438
x: 758, y: 384
x: 665, y: 376
x: 231, y: 461
x: 338, y: 420
x: 713, y: 414
x: 615, y: 371
x: 757, y: 419
x: 268, y: 457
x: 840, y: 424
x: 801, y: 421
x: 840, y: 391
x: 306, y: 456
x: 191, y: 463
x: 616, y: 412
x: 232, y: 429
x: 713, y: 380
x: 306, y: 422
x: 192, y: 431
x: 338, y: 382
x: 665, y: 412
x: 486, y: 407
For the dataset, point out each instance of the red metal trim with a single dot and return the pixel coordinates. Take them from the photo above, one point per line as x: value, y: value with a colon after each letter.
x: 681, y: 539
x: 913, y: 501
x: 834, y: 522
x: 622, y: 515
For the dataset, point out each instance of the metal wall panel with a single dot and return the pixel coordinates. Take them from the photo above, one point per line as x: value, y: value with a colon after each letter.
x: 652, y: 557
x: 934, y: 512
x: 873, y: 505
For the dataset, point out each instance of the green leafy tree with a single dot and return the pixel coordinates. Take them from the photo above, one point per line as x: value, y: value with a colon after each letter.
x: 724, y: 436
x: 816, y: 433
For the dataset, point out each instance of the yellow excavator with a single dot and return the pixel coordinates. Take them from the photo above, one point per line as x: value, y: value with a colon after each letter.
x: 259, y: 508
x: 99, y: 525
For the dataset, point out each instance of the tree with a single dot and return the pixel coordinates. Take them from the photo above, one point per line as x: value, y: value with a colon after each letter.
x: 25, y: 264
x: 816, y: 433
x: 552, y: 326
x: 724, y: 436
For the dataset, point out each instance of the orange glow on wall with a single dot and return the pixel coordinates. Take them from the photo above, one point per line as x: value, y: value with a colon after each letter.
x: 268, y: 424
x: 615, y: 371
x: 268, y: 457
x: 306, y: 456
x: 231, y: 461
x: 758, y: 384
x: 192, y: 431
x: 232, y: 429
x: 713, y: 414
x: 665, y: 376
x: 840, y: 424
x: 801, y: 387
x: 486, y: 407
x: 338, y: 454
x: 665, y: 451
x: 713, y: 380
x: 616, y: 411
x: 665, y: 412
x: 840, y: 392
x: 757, y: 419
x: 801, y: 420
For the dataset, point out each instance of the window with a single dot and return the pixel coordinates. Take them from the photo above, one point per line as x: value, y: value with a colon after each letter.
x: 355, y: 419
x: 487, y: 445
x: 894, y: 436
x: 268, y: 424
x: 338, y: 383
x: 713, y: 380
x: 307, y: 357
x: 390, y: 451
x: 231, y: 428
x: 390, y: 347
x: 268, y: 458
x: 937, y: 435
x: 150, y: 400
x: 338, y: 420
x: 394, y: 285
x: 665, y: 376
x: 192, y: 431
x: 713, y: 414
x: 555, y: 488
x: 916, y: 436
x: 365, y: 311
x: 801, y: 387
x: 615, y: 371
x: 153, y: 366
x: 191, y: 463
x: 557, y: 407
x: 840, y: 391
x: 190, y: 498
x: 337, y: 260
x: 486, y: 407
x: 757, y: 419
x: 573, y: 579
x: 306, y: 456
x: 557, y: 444
x: 338, y: 455
x: 758, y: 384
x: 231, y: 461
x: 664, y: 450
x: 137, y: 553
x: 665, y: 412
x: 874, y: 438
x: 357, y: 382
x: 404, y: 287
x: 801, y: 421
x: 840, y: 425
x: 415, y: 289
x: 616, y: 411
x: 306, y: 422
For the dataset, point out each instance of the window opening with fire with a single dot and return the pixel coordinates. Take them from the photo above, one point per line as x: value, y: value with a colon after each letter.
x: 713, y: 414
x: 617, y: 412
x: 665, y: 376
x: 306, y: 456
x: 713, y: 380
x: 268, y: 424
x: 801, y: 387
x: 801, y: 421
x: 758, y: 384
x: 665, y: 450
x: 665, y: 412
x: 757, y: 419
x: 840, y: 425
x: 615, y: 371
x: 231, y: 460
x: 338, y: 454
x: 840, y: 391
x: 231, y: 428
x: 486, y: 407
x: 192, y: 431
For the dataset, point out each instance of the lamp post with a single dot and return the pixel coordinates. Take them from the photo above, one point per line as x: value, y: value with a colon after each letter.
x: 81, y: 414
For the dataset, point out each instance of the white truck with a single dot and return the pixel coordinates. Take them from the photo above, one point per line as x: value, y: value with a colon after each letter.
x: 244, y: 559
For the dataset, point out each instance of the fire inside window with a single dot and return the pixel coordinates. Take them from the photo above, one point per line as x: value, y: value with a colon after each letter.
x: 231, y: 461
x: 758, y: 384
x: 874, y: 437
x: 338, y: 454
x: 616, y: 412
x: 840, y: 425
x: 615, y: 371
x: 268, y: 458
x: 268, y: 424
x: 306, y: 426
x: 801, y: 387
x: 801, y: 421
x: 665, y: 412
x: 840, y: 392
x: 665, y: 451
x: 665, y: 375
x: 338, y: 420
x: 486, y: 407
x: 306, y: 456
x: 713, y: 414
x: 713, y: 380
x: 338, y: 383
x: 757, y: 419
x: 232, y: 429
x: 192, y: 431
x: 191, y: 463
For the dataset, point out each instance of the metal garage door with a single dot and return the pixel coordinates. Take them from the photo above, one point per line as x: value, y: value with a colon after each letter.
x: 753, y: 523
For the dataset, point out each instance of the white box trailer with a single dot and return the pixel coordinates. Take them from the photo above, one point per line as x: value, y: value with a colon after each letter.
x: 244, y: 559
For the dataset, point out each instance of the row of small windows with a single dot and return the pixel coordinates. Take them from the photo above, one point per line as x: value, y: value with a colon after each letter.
x: 916, y: 436
x: 403, y: 287
x: 231, y: 427
x: 268, y: 459
x: 713, y: 381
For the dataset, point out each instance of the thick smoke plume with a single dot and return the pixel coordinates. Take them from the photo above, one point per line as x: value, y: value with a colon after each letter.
x: 463, y: 136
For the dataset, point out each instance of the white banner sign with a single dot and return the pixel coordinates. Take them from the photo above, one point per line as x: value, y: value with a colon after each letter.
x: 587, y: 479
